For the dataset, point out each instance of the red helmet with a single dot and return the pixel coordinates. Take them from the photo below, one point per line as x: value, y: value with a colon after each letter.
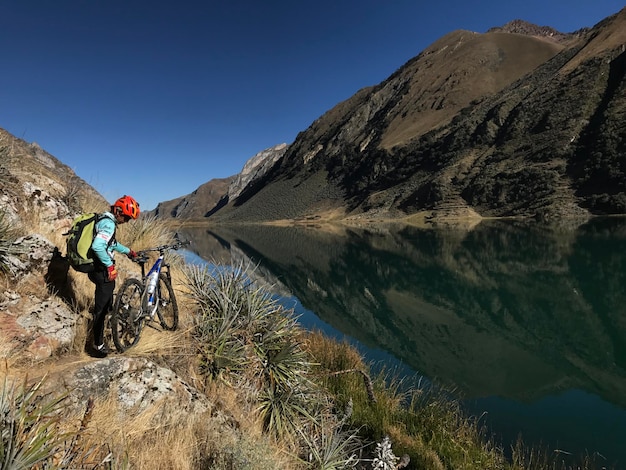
x: 128, y: 206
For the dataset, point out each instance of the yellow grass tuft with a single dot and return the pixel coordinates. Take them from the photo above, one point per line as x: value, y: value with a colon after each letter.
x: 155, y: 341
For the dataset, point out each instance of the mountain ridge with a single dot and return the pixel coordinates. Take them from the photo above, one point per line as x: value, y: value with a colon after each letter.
x: 495, y: 124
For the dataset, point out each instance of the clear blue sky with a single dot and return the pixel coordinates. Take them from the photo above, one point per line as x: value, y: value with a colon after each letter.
x: 155, y: 98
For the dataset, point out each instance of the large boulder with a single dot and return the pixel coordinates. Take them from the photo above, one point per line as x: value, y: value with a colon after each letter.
x: 137, y: 382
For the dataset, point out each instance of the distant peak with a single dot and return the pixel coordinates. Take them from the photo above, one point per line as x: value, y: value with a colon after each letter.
x: 528, y: 29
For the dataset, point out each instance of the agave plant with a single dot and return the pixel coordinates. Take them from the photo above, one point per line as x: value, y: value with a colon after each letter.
x: 242, y: 328
x: 216, y: 323
x: 239, y: 325
x: 8, y: 235
x: 28, y: 427
x: 284, y: 412
x: 329, y: 446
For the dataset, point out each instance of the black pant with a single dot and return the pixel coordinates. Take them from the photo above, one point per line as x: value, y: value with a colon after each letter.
x: 103, y: 302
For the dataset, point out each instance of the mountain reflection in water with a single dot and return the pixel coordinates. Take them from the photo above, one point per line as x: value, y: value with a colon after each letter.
x: 507, y: 309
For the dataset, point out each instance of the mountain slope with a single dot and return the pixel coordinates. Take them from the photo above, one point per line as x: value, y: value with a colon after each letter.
x: 499, y: 124
x: 210, y: 197
x: 30, y: 175
x: 198, y: 203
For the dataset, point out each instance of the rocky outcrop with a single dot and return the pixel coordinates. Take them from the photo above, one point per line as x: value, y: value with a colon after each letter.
x: 34, y: 328
x: 138, y: 384
x: 213, y: 195
x: 524, y: 27
x: 255, y: 169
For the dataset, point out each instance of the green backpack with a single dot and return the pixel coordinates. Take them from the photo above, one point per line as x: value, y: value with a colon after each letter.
x: 78, y: 243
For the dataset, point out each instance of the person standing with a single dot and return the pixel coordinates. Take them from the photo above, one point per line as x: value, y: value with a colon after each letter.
x: 103, y: 276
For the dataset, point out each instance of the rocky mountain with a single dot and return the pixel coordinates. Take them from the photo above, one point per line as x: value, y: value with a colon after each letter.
x: 213, y: 195
x: 519, y: 121
x: 254, y: 169
x: 31, y: 176
x: 197, y: 204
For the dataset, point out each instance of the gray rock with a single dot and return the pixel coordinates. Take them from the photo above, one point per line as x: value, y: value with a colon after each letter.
x: 34, y: 327
x: 138, y: 384
x: 31, y: 253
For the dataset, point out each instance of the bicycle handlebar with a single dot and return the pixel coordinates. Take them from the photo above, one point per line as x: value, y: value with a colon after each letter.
x: 161, y: 249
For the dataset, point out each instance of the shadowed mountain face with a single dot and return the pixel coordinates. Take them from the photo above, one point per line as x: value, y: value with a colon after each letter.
x: 499, y: 124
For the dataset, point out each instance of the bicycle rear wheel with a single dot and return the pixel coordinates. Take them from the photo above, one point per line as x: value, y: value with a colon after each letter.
x: 127, y: 319
x: 168, y: 308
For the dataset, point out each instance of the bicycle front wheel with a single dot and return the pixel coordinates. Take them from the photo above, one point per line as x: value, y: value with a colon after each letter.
x: 127, y: 319
x: 167, y: 308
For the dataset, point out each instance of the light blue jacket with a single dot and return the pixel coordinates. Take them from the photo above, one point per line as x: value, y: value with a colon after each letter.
x: 104, y: 243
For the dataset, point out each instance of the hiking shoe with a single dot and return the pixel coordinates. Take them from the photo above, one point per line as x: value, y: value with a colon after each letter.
x: 101, y: 351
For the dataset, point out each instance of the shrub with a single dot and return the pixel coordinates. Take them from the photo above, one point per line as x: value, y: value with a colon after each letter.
x: 244, y: 335
x: 29, y: 428
x: 8, y: 235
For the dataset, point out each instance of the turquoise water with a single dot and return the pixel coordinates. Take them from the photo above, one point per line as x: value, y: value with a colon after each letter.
x: 526, y: 322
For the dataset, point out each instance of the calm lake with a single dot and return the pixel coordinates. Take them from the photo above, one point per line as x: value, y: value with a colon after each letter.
x: 526, y: 322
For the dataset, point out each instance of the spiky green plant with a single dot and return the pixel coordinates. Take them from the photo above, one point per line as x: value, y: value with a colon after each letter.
x: 8, y: 235
x: 329, y: 446
x: 219, y: 349
x: 29, y: 426
x: 216, y: 323
x: 284, y: 412
x: 240, y: 328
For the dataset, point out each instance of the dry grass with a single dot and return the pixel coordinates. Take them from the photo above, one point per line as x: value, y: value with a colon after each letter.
x: 237, y: 404
x: 145, y: 232
x: 150, y: 439
x: 155, y: 341
x: 162, y: 438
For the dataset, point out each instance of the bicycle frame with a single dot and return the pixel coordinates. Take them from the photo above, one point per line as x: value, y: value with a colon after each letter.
x: 152, y: 298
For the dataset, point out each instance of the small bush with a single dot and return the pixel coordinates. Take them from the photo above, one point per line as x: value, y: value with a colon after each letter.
x: 8, y: 235
x: 244, y: 335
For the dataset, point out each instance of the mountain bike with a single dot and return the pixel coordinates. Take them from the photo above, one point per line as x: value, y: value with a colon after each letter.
x: 139, y: 300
